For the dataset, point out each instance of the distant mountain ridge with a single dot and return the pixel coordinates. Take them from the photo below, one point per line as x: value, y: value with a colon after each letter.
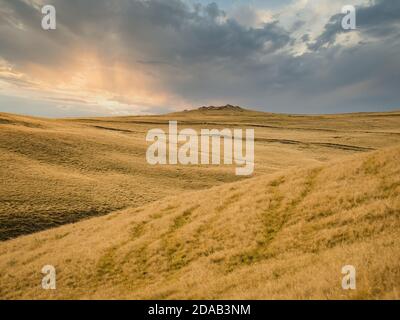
x: 227, y: 107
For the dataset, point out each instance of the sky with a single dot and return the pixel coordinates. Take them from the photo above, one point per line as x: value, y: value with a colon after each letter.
x: 134, y: 57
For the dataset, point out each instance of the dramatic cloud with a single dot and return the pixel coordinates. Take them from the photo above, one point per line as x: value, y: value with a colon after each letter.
x: 140, y: 56
x: 380, y: 20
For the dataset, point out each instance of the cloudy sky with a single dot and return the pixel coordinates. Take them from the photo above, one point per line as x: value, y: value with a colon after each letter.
x: 117, y: 57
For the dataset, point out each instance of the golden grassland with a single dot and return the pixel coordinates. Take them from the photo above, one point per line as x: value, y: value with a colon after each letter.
x: 284, y: 235
x: 61, y: 171
x: 325, y: 193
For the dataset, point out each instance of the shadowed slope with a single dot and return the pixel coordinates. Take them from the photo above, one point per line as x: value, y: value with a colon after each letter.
x: 60, y: 171
x: 54, y: 172
x: 285, y: 235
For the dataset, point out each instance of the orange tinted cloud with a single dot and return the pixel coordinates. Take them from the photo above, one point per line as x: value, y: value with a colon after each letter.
x: 87, y: 78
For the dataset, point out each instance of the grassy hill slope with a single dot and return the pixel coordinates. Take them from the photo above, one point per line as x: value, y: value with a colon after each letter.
x: 285, y: 235
x: 60, y: 171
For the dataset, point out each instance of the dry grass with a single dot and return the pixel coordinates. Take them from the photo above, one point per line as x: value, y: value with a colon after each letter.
x: 321, y: 198
x: 284, y: 235
x: 55, y: 172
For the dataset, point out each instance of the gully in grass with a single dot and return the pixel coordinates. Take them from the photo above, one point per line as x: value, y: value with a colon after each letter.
x: 189, y: 147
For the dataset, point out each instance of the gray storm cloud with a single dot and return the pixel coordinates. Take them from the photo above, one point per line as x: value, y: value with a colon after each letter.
x: 202, y: 55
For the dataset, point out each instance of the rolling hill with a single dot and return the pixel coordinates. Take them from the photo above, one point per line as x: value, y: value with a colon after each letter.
x: 59, y: 171
x: 280, y: 235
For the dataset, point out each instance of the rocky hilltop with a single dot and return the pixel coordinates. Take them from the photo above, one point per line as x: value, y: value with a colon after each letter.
x: 227, y: 107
